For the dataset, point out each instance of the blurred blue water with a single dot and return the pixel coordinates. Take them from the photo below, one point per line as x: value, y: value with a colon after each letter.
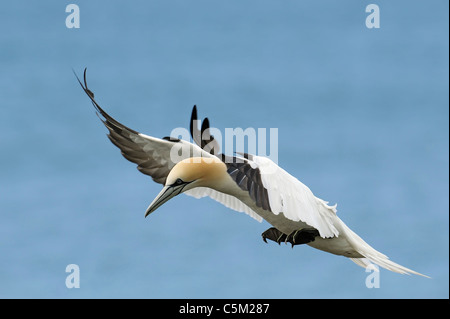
x: 362, y: 117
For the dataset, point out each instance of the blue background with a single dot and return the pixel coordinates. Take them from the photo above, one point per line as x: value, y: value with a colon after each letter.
x: 362, y: 117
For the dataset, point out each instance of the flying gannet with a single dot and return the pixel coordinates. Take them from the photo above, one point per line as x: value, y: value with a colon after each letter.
x: 247, y: 183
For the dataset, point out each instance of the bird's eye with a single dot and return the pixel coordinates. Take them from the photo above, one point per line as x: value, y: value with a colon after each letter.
x: 178, y: 181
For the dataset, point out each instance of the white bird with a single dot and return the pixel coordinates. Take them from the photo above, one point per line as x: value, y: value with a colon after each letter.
x: 247, y: 183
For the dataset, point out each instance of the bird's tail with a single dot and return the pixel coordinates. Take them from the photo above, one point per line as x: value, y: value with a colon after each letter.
x: 373, y: 256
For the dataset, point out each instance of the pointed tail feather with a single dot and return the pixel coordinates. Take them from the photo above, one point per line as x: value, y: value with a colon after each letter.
x: 387, y: 264
x: 373, y: 256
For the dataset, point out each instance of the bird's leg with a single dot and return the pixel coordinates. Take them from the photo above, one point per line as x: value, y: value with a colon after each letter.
x: 302, y: 236
x: 274, y: 234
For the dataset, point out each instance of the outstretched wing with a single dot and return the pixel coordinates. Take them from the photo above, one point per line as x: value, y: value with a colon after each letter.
x: 289, y: 196
x: 248, y: 177
x: 273, y: 189
x: 154, y: 156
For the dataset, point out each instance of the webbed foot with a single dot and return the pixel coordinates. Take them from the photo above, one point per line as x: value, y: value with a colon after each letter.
x: 274, y: 235
x: 302, y: 236
x: 298, y: 237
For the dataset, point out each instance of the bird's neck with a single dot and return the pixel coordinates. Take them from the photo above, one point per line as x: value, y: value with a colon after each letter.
x: 209, y: 172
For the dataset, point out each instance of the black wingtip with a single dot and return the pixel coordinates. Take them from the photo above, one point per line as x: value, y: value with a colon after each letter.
x: 85, y: 87
x: 193, y: 120
x: 107, y: 120
x: 205, y: 125
x: 91, y: 94
x: 205, y: 137
x: 193, y: 125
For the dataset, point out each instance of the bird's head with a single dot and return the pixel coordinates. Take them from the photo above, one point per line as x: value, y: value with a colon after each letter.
x: 188, y: 174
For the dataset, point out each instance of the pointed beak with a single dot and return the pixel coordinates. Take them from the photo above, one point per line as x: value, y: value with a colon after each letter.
x: 166, y: 193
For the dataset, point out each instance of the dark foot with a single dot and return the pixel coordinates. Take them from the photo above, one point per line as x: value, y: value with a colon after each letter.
x: 302, y: 236
x: 274, y: 234
x: 298, y: 237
